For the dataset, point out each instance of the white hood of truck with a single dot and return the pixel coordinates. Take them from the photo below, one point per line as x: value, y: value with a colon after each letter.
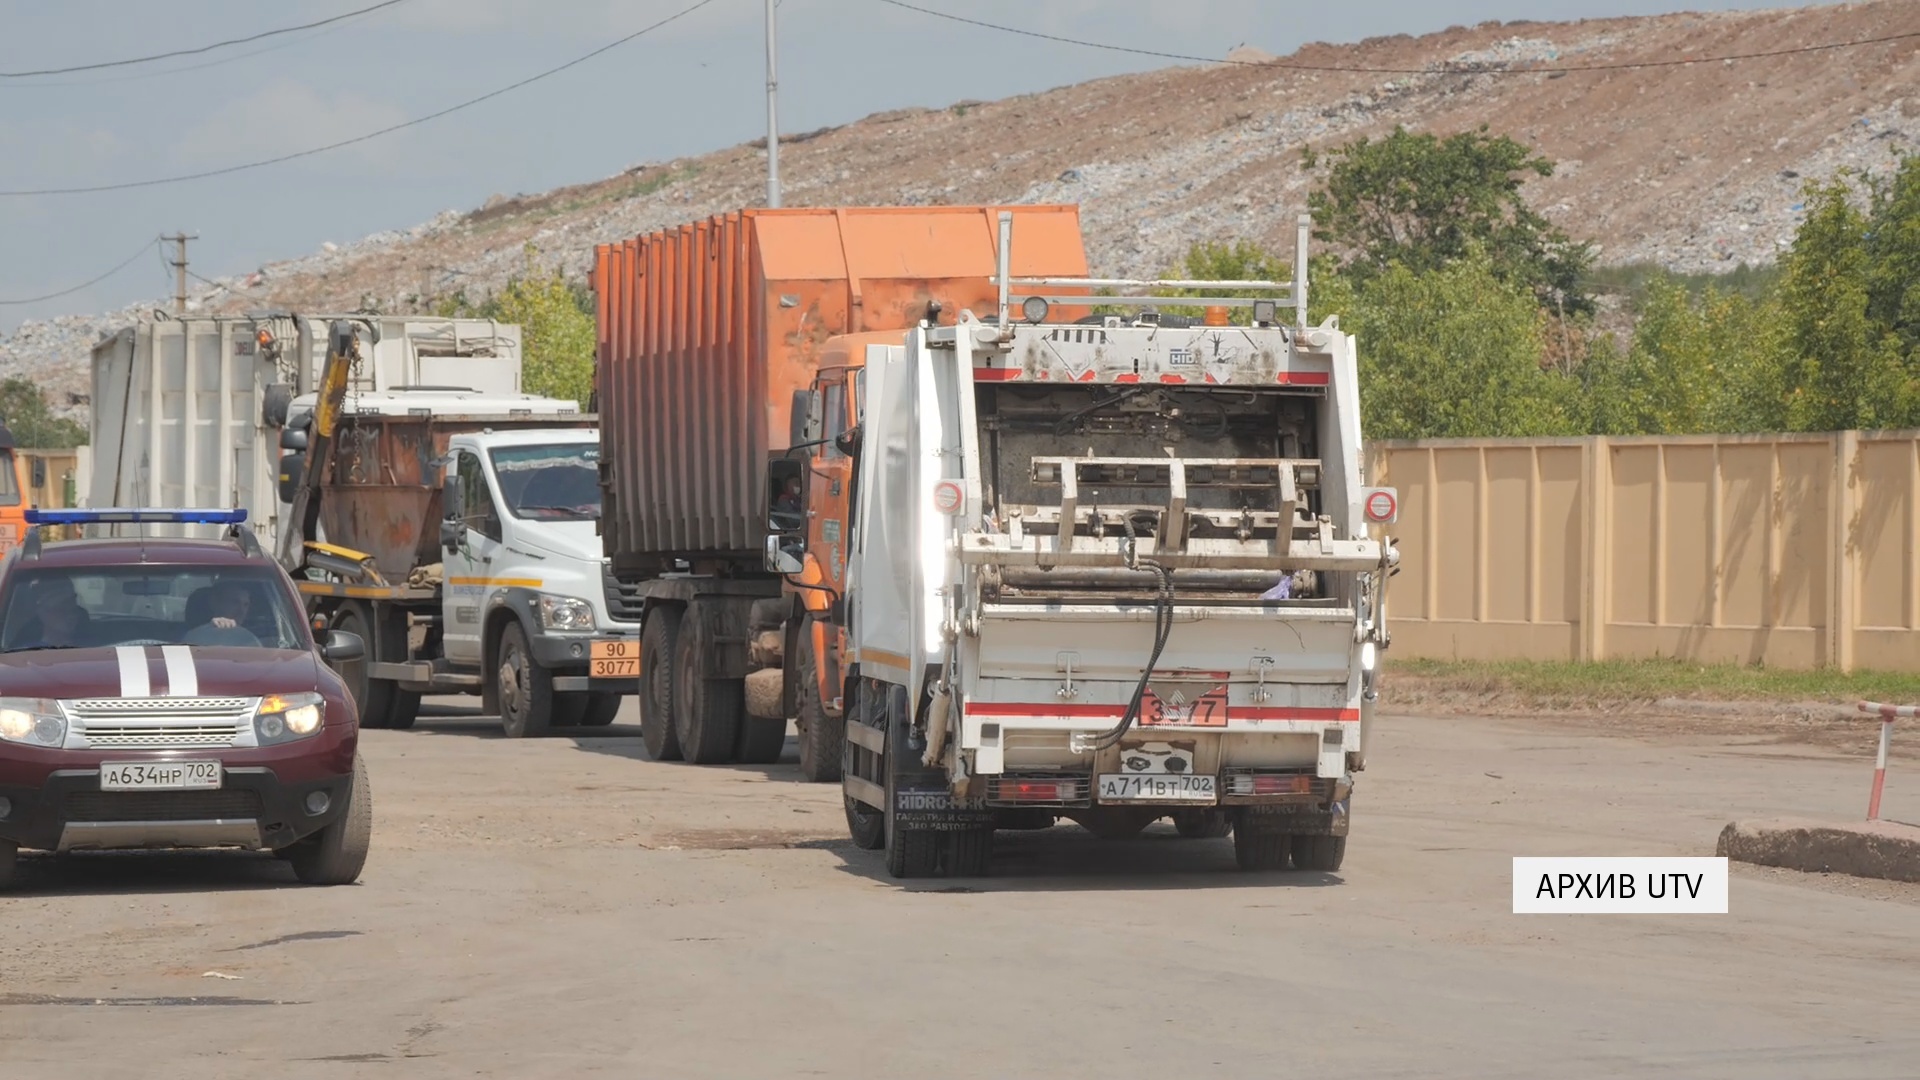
x: 576, y: 541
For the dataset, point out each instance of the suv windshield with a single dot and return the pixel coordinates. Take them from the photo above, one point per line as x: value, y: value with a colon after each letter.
x: 98, y: 607
x: 553, y: 482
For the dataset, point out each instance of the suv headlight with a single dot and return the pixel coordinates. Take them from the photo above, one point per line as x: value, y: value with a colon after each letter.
x: 285, y: 717
x: 33, y: 721
x: 565, y: 613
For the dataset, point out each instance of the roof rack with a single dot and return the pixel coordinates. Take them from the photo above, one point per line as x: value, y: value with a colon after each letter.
x: 235, y: 519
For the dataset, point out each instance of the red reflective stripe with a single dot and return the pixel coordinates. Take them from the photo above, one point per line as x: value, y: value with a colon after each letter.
x: 1303, y: 378
x: 1126, y: 378
x: 1236, y: 712
x: 987, y: 374
x: 1173, y: 378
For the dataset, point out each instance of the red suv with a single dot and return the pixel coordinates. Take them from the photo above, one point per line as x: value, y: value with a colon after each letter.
x: 167, y: 693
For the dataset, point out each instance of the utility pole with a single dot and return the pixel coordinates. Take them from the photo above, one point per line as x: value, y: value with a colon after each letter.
x: 179, y: 261
x: 773, y: 123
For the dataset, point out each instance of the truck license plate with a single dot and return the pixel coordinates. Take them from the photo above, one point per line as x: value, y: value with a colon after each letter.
x: 159, y: 775
x: 1155, y: 787
x: 614, y: 658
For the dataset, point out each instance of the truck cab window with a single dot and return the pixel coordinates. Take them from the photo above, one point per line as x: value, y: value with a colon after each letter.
x: 476, y: 498
x: 835, y: 417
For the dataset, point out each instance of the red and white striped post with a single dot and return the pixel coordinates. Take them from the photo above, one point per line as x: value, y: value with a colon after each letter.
x: 1888, y: 714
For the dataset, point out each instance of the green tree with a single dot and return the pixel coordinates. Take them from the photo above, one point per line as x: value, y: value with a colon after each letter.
x: 1422, y: 202
x: 555, y: 317
x: 1454, y: 352
x: 1893, y: 255
x: 1847, y: 369
x: 23, y: 408
x: 1707, y: 362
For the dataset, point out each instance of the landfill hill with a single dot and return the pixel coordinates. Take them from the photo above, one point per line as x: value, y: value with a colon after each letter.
x: 1696, y: 166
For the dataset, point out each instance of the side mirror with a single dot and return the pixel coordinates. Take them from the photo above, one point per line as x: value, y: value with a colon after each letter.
x: 291, y: 468
x: 781, y: 561
x: 293, y: 438
x: 343, y: 647
x: 39, y: 472
x: 451, y: 533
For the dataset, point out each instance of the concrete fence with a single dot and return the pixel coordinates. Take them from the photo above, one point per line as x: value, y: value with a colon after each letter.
x: 1794, y: 551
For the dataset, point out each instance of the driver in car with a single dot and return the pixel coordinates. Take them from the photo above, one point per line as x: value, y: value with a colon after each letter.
x: 230, y: 604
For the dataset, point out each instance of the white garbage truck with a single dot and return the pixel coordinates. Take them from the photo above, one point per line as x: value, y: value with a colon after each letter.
x: 1112, y: 569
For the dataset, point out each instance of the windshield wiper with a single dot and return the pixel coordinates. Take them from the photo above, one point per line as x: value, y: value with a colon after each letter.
x: 571, y: 510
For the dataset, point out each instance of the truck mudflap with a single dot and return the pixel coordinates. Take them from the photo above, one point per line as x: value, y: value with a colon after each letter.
x: 1296, y: 820
x: 937, y: 809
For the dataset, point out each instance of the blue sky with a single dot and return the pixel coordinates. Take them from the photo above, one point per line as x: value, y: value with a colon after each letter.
x: 697, y: 85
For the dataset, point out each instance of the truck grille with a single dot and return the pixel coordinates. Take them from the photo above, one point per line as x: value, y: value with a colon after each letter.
x: 624, y: 601
x: 159, y: 723
x: 225, y: 803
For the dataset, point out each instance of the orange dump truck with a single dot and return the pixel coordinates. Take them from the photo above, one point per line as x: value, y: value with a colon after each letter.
x: 729, y: 358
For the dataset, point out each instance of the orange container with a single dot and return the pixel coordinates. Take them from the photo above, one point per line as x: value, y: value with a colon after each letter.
x: 707, y: 330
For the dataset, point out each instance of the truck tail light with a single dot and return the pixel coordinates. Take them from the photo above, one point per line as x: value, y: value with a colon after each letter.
x: 1052, y: 789
x: 1270, y: 783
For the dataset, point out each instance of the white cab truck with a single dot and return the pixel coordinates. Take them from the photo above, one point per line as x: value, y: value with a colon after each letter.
x: 1113, y: 570
x: 457, y: 534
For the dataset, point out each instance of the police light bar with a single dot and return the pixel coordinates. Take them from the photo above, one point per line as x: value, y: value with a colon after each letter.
x: 121, y: 516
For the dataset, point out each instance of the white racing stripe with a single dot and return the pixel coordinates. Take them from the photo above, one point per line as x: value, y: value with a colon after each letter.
x: 134, y: 681
x: 183, y: 678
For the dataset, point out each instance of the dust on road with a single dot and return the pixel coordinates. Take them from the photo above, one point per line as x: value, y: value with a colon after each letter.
x: 569, y: 908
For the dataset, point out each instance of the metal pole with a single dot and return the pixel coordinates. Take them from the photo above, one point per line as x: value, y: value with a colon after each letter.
x: 1888, y: 714
x: 180, y: 269
x: 1301, y: 236
x: 773, y: 122
x: 1005, y: 268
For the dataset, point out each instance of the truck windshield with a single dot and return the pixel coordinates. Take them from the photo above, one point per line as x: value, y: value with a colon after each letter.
x: 147, y: 604
x: 553, y: 482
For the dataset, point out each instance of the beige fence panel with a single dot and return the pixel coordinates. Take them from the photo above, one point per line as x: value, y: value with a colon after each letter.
x: 1793, y: 551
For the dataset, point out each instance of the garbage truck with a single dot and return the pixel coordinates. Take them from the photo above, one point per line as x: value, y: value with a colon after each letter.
x: 455, y: 532
x: 1111, y: 565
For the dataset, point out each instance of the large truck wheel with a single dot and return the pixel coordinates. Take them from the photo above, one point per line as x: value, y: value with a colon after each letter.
x: 1321, y: 853
x: 821, y: 735
x: 526, y: 688
x: 1202, y: 824
x: 403, y: 706
x: 9, y: 863
x: 913, y: 853
x: 762, y: 741
x: 601, y: 709
x: 1260, y: 852
x: 970, y: 853
x: 910, y: 852
x: 373, y: 698
x: 866, y: 824
x: 706, y: 712
x: 657, y: 643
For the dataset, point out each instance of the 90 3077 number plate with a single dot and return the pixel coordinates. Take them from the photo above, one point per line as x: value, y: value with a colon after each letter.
x: 614, y: 658
x: 159, y: 775
x: 1156, y: 787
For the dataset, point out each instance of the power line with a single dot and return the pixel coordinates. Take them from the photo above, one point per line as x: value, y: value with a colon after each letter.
x: 469, y: 103
x: 142, y: 76
x: 1450, y: 69
x: 84, y: 285
x: 130, y: 61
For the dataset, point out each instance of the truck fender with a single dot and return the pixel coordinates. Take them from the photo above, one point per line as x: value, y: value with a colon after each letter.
x: 503, y: 606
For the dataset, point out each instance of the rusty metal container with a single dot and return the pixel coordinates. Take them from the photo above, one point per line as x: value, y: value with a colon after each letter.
x: 706, y: 331
x: 382, y: 494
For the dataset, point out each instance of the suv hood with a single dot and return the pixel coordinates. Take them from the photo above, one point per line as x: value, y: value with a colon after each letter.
x: 157, y: 671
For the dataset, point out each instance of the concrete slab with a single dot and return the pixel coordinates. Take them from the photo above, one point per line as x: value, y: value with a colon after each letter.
x: 1878, y: 849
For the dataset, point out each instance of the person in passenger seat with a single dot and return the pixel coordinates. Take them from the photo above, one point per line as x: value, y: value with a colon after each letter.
x: 230, y: 603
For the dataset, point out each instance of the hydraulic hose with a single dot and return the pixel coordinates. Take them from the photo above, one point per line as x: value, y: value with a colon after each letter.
x: 1162, y: 629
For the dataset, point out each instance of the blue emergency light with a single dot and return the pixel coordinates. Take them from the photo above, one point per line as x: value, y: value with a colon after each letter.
x: 124, y: 516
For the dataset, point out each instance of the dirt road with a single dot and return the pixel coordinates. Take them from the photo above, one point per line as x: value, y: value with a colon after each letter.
x: 568, y: 908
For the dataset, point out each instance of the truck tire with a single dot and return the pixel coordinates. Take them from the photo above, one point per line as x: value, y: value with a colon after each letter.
x: 1260, y: 852
x: 866, y: 824
x: 821, y: 735
x: 657, y: 643
x: 762, y: 741
x: 706, y: 712
x: 525, y: 688
x: 1320, y: 853
x: 913, y: 853
x: 1202, y: 824
x: 336, y: 854
x: 403, y: 706
x: 601, y: 709
x: 970, y: 853
x: 9, y: 863
x: 372, y: 697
